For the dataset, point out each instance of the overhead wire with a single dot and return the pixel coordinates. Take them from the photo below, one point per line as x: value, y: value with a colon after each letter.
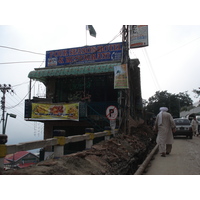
x: 21, y: 99
x: 19, y: 62
x: 26, y: 51
x: 26, y: 94
x: 20, y: 84
x: 185, y: 44
x: 151, y: 69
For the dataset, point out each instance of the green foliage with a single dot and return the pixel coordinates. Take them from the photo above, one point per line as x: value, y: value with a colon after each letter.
x: 174, y: 102
x: 197, y: 92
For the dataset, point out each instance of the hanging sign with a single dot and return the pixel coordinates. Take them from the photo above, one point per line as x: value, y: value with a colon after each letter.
x: 55, y: 111
x: 111, y: 112
x: 121, y: 77
x: 138, y: 36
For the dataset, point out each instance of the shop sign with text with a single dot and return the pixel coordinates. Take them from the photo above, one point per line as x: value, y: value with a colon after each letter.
x: 84, y: 55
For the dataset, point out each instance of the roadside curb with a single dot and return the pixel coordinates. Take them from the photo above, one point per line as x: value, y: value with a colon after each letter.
x: 146, y: 161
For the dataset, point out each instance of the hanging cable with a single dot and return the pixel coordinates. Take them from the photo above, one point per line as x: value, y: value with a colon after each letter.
x: 151, y: 68
x: 20, y: 62
x: 22, y: 99
x: 21, y: 50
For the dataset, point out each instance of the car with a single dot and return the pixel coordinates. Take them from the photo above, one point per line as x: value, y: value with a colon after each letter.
x: 183, y: 127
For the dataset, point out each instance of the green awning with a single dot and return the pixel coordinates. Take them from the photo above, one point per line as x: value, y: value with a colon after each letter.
x: 42, y: 74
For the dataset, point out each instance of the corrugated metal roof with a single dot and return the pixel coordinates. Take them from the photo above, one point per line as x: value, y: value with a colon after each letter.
x: 42, y: 74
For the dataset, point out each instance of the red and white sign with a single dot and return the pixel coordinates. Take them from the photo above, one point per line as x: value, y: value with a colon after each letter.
x: 111, y: 112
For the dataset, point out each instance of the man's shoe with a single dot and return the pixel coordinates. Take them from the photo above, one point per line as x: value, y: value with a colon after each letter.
x: 163, y: 155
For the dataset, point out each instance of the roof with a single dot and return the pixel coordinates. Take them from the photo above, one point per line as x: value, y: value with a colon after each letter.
x: 16, y: 156
x: 44, y: 73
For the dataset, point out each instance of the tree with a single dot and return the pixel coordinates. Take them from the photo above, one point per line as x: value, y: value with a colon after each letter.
x: 197, y: 92
x: 174, y: 102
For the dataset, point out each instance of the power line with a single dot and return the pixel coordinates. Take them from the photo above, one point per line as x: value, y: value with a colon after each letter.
x: 21, y: 100
x: 185, y: 44
x: 21, y: 50
x: 5, y: 63
x: 152, y: 71
x: 21, y: 84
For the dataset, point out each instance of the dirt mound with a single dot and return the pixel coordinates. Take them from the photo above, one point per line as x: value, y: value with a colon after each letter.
x: 118, y: 156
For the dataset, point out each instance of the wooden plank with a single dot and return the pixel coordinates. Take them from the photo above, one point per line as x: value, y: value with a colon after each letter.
x: 77, y: 138
x: 100, y: 134
x: 31, y: 145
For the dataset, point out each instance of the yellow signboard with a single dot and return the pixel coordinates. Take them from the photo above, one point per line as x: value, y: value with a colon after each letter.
x: 121, y: 77
x: 55, y: 111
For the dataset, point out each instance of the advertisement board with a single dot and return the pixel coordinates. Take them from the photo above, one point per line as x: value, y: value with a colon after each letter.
x: 55, y: 111
x: 121, y: 77
x: 84, y: 55
x: 138, y: 36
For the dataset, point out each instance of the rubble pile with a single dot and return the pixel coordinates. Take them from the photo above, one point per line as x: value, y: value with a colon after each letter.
x: 120, y: 155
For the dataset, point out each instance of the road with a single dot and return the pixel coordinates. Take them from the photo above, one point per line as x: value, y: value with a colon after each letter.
x: 183, y: 160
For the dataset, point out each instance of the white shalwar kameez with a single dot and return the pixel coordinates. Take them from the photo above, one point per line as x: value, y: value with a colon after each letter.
x: 164, y: 124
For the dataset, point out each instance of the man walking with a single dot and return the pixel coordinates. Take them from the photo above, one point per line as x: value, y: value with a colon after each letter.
x: 195, y: 125
x: 164, y: 125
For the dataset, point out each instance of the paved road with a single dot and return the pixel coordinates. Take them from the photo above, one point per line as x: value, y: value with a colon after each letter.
x: 183, y: 160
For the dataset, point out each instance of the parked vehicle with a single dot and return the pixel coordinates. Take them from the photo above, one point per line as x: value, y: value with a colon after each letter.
x: 183, y: 127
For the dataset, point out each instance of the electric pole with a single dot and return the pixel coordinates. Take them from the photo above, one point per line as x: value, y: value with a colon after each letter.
x: 125, y: 95
x: 4, y: 88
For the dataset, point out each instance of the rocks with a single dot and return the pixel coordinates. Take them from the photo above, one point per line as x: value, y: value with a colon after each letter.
x: 120, y: 155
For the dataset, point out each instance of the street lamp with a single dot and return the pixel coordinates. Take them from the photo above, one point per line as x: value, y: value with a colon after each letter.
x: 4, y: 125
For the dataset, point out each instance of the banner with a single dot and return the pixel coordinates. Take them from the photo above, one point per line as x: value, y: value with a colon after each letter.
x: 121, y: 77
x: 85, y: 55
x: 138, y: 36
x: 55, y: 111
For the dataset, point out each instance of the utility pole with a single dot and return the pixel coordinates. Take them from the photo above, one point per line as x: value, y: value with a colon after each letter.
x: 4, y: 88
x: 126, y: 94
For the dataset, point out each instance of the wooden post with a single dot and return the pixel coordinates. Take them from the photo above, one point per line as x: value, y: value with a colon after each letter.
x: 3, y: 149
x: 59, y: 148
x: 58, y: 151
x: 89, y: 143
x: 108, y: 132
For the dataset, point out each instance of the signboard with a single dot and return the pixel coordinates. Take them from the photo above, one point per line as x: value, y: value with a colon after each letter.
x: 138, y: 36
x: 84, y: 55
x: 55, y: 111
x: 121, y: 77
x: 111, y: 112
